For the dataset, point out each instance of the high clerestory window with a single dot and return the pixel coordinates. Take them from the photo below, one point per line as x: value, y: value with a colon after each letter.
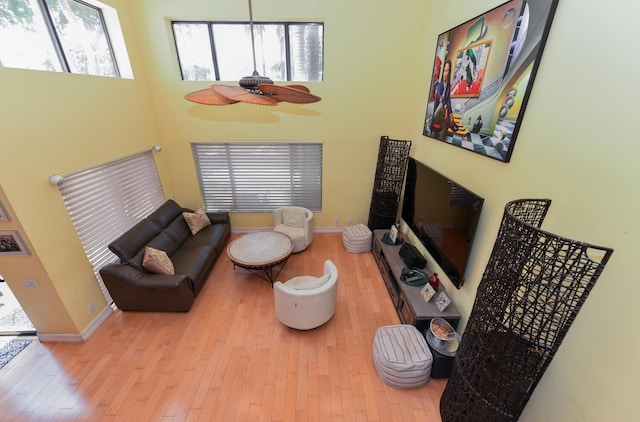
x: 221, y: 51
x: 62, y: 36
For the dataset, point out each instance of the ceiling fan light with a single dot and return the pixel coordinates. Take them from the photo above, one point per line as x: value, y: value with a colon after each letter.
x: 252, y: 82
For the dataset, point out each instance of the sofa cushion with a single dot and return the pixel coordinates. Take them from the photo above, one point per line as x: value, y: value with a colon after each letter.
x: 177, y: 231
x: 164, y: 242
x: 165, y: 214
x: 195, y: 263
x: 213, y: 235
x: 197, y: 220
x: 129, y: 247
x: 294, y: 217
x: 156, y: 261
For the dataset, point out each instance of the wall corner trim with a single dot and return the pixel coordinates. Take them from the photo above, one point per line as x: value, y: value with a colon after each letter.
x: 84, y: 335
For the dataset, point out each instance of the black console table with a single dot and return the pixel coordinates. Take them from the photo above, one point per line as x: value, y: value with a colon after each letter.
x: 409, y: 303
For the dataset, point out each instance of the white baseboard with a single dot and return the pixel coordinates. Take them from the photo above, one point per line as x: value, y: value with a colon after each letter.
x: 328, y: 229
x: 60, y: 338
x: 264, y: 229
x: 84, y: 335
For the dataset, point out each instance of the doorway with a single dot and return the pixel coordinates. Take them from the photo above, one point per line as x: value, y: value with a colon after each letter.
x: 13, y: 320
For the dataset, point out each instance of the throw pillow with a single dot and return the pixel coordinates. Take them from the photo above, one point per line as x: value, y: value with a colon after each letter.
x: 197, y: 220
x: 157, y: 262
x: 294, y: 217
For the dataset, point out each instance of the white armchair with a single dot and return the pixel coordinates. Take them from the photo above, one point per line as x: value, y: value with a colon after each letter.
x: 297, y: 223
x: 307, y: 302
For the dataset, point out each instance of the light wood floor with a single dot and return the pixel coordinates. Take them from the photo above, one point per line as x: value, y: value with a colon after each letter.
x: 227, y: 359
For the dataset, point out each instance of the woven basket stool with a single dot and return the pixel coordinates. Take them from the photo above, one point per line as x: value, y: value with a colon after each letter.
x: 401, y: 356
x: 357, y: 239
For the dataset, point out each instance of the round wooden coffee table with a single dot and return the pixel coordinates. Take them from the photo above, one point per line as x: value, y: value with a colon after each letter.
x: 261, y: 252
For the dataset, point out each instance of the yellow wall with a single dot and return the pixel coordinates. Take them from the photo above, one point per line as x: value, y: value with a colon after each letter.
x: 359, y: 104
x: 573, y: 150
x: 576, y: 147
x: 14, y: 269
x: 53, y: 123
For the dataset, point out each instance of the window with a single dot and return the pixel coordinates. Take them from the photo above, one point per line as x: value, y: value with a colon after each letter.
x: 222, y: 51
x: 59, y: 36
x: 108, y: 200
x: 255, y: 177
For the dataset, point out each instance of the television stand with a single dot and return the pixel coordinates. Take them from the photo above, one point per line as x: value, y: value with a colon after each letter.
x: 407, y: 300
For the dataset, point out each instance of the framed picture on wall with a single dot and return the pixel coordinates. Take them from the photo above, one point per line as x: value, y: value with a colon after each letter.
x: 483, y: 73
x: 11, y: 243
x: 3, y: 214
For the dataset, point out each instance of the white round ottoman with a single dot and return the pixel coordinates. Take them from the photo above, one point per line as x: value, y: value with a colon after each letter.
x: 357, y: 239
x: 401, y: 356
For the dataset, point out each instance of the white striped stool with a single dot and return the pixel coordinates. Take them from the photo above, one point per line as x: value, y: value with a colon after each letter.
x: 401, y: 356
x: 357, y: 239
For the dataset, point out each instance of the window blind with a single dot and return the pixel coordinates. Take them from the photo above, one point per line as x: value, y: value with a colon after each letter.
x: 256, y: 177
x: 105, y: 201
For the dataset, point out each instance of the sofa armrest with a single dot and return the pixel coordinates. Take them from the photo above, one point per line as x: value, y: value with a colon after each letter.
x: 136, y: 290
x: 218, y: 217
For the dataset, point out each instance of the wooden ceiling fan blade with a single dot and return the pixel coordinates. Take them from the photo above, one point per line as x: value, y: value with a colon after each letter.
x: 289, y: 94
x: 208, y: 96
x: 237, y: 93
x: 299, y: 88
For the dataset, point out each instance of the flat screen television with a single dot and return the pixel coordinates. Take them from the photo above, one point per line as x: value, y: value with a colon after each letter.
x: 443, y: 215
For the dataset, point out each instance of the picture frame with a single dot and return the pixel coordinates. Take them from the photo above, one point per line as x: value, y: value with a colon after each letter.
x: 483, y: 74
x: 442, y: 301
x: 4, y: 216
x: 393, y: 234
x: 427, y: 292
x: 11, y: 244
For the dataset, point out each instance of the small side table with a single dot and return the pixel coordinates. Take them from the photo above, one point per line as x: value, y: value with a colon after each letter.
x: 443, y: 357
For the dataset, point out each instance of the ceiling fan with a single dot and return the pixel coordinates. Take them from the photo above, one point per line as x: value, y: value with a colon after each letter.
x: 254, y: 89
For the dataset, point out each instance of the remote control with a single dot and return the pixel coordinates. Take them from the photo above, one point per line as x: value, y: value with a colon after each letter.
x: 412, y: 279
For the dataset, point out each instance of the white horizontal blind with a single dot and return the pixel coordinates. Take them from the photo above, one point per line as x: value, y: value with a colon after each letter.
x: 255, y: 177
x: 106, y: 201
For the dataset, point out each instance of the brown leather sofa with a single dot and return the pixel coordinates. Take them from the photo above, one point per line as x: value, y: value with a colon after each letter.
x: 133, y: 288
